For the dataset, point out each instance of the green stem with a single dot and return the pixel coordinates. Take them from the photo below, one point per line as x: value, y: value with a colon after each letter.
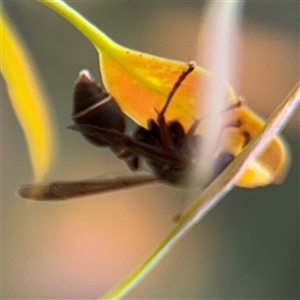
x: 106, y: 46
x: 92, y: 33
x: 214, y: 193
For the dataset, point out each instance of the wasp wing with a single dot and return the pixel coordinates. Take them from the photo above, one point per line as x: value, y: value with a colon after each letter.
x: 63, y: 190
x: 116, y: 138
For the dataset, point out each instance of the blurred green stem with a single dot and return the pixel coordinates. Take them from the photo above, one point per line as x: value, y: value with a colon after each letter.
x: 214, y: 193
x: 92, y: 33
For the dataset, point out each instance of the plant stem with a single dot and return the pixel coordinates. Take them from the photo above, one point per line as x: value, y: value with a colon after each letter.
x: 214, y: 193
x: 92, y: 33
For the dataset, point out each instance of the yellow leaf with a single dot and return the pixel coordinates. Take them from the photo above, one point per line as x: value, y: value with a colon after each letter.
x: 28, y: 99
x: 141, y: 84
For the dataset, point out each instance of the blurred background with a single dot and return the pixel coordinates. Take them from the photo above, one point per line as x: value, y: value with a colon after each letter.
x: 246, y: 248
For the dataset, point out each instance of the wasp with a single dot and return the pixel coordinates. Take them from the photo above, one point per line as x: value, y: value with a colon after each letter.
x: 170, y: 151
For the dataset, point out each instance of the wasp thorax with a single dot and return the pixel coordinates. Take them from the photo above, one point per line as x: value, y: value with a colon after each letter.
x: 93, y: 106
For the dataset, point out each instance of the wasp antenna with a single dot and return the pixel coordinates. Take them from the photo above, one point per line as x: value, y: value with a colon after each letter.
x: 184, y: 74
x: 161, y: 115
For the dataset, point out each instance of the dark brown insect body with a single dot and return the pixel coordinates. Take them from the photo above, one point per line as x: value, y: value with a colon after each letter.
x: 167, y: 148
x: 169, y: 151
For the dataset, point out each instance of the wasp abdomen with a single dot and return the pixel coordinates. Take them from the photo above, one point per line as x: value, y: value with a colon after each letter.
x: 93, y: 106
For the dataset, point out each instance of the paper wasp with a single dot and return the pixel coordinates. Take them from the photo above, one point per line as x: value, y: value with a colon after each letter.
x: 169, y: 151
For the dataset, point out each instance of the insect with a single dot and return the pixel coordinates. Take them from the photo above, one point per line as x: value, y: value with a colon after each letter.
x: 170, y: 151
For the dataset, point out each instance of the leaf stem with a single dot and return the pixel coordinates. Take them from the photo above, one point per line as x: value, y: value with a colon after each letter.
x: 213, y: 194
x: 92, y: 33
